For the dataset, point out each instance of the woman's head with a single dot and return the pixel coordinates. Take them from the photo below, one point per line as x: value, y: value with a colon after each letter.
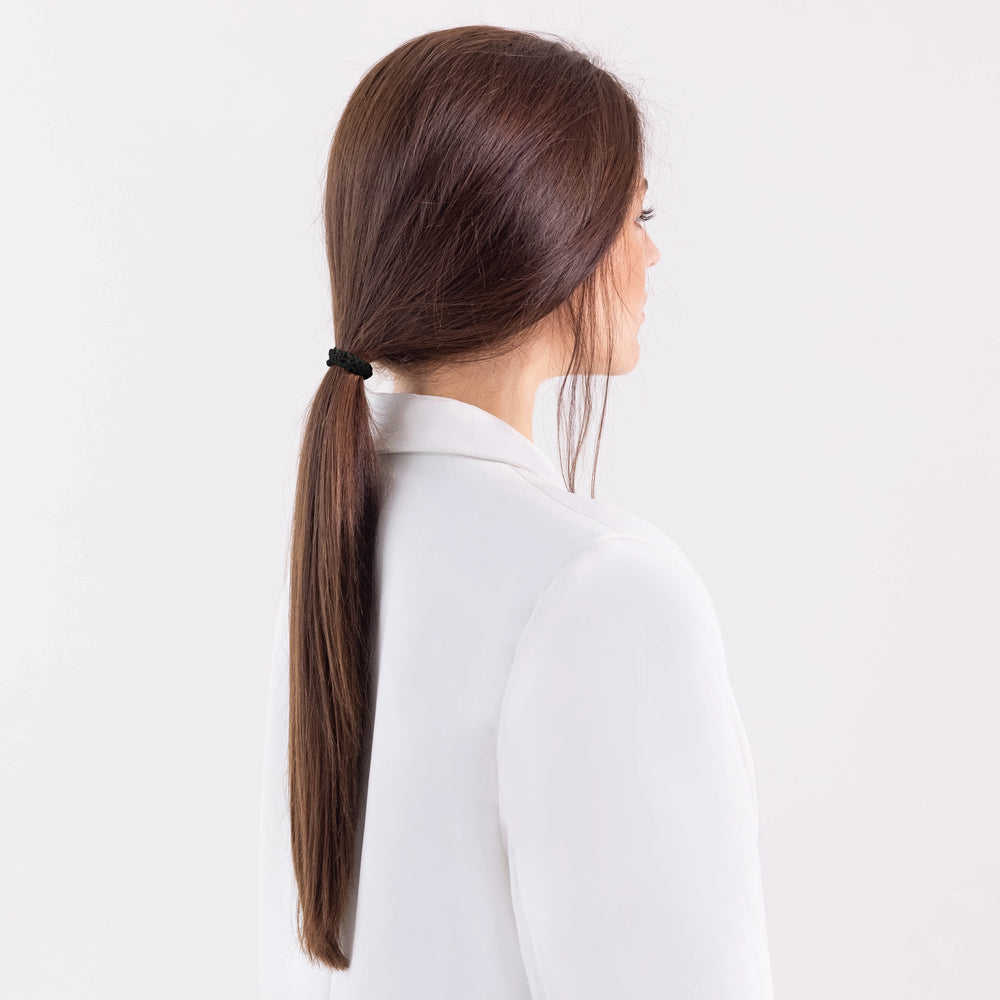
x: 483, y: 198
x: 479, y: 183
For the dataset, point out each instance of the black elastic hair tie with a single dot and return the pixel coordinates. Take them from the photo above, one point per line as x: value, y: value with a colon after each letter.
x: 344, y: 359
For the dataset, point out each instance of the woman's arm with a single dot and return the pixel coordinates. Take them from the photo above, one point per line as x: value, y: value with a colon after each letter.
x: 626, y: 803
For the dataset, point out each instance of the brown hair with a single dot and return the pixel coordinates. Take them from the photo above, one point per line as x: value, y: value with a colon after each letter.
x: 478, y: 181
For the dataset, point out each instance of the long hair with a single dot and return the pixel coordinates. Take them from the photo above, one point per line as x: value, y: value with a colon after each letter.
x: 478, y: 181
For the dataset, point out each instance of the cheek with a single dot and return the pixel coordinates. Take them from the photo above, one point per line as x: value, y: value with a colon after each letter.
x: 638, y: 268
x: 631, y: 255
x: 637, y: 251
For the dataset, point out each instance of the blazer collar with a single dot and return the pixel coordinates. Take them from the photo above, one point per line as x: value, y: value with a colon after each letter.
x: 413, y: 422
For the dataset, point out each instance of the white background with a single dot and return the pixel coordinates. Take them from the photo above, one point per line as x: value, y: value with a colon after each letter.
x: 814, y: 419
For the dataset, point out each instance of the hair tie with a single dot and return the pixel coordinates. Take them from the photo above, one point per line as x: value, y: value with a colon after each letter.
x: 344, y: 359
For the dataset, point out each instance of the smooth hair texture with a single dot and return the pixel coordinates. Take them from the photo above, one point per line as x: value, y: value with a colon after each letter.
x: 478, y: 182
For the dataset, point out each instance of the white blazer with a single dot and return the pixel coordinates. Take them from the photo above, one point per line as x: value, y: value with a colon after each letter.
x: 561, y: 802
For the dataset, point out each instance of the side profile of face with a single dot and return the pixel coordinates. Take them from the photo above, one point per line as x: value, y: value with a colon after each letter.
x: 636, y: 252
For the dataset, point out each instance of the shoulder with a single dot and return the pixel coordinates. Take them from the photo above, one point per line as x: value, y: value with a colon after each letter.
x: 621, y: 594
x: 623, y: 614
x: 613, y: 556
x: 621, y: 661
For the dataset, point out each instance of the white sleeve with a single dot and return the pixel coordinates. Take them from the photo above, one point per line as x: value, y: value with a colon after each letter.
x: 627, y: 806
x: 286, y: 973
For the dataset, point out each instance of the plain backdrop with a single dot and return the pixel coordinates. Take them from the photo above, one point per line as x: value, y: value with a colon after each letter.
x: 814, y: 419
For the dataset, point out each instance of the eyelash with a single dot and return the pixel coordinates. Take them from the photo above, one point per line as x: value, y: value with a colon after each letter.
x: 645, y: 215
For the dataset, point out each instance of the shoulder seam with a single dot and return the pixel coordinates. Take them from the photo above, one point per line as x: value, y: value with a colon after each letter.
x: 615, y: 536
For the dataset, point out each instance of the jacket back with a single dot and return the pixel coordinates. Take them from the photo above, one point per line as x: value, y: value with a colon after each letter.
x: 559, y: 801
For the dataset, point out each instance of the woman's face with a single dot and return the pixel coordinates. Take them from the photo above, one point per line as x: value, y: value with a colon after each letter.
x: 636, y: 252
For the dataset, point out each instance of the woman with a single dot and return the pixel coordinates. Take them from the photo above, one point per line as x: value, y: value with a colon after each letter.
x: 503, y: 756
